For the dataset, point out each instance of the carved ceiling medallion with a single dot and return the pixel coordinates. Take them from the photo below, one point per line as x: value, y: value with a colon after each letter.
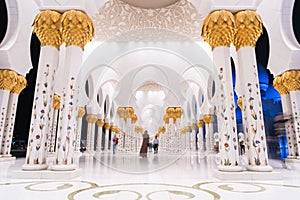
x: 116, y: 18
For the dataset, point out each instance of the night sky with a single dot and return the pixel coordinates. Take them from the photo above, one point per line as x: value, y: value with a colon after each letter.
x: 23, y: 116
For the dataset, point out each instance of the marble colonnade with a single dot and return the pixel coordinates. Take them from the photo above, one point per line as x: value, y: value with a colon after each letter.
x: 75, y: 29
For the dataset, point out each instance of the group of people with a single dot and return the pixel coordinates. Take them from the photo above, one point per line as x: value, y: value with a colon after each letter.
x: 145, y: 144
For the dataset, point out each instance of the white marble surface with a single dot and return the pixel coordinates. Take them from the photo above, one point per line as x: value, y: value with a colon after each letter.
x: 163, y: 176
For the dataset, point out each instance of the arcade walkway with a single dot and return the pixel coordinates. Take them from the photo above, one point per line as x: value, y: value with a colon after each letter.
x: 158, y: 177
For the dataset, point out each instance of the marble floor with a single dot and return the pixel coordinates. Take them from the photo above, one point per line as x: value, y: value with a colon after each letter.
x: 161, y: 176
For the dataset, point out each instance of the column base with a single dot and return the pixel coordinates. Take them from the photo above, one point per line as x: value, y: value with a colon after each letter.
x: 292, y: 157
x: 6, y: 155
x: 47, y: 174
x: 259, y: 168
x: 247, y: 175
x: 32, y: 167
x: 294, y: 163
x: 77, y: 156
x: 230, y: 168
x: 7, y: 158
x: 63, y: 167
x: 50, y: 159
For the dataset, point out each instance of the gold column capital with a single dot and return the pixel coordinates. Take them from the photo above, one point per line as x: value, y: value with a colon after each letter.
x: 8, y: 79
x: 56, y: 102
x: 279, y: 86
x: 200, y: 123
x: 91, y: 118
x: 114, y: 129
x: 100, y: 123
x: 20, y: 85
x: 107, y: 126
x: 193, y: 126
x: 208, y: 119
x: 218, y: 29
x: 134, y: 118
x: 77, y: 28
x: 47, y: 26
x: 81, y: 112
x: 249, y: 27
x: 166, y: 119
x: 291, y: 80
x: 240, y: 103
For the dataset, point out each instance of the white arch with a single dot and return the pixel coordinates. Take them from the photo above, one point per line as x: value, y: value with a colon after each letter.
x: 284, y: 48
x: 16, y: 42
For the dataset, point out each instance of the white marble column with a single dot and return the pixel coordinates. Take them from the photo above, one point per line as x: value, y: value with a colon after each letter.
x: 287, y: 111
x: 81, y: 113
x: 99, y: 136
x: 10, y: 115
x: 200, y: 138
x: 209, y: 120
x: 91, y: 119
x: 106, y: 142
x: 193, y: 137
x: 249, y: 28
x: 8, y: 79
x: 77, y: 30
x: 46, y: 26
x: 291, y: 80
x: 218, y: 31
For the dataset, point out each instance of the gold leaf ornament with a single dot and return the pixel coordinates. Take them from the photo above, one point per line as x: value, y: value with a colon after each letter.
x: 20, y: 85
x: 56, y: 102
x: 248, y: 29
x: 46, y: 26
x: 218, y: 29
x: 291, y: 80
x: 8, y: 79
x: 279, y: 86
x: 77, y: 28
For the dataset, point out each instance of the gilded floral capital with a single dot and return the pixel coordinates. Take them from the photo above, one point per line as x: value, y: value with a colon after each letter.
x: 240, y: 103
x: 279, y: 86
x: 47, y: 26
x: 166, y: 119
x: 208, y: 119
x: 291, y: 80
x: 56, y: 102
x: 107, y: 126
x: 249, y: 27
x: 200, y: 123
x: 100, y: 123
x: 134, y: 118
x: 77, y: 28
x: 21, y: 84
x: 114, y: 129
x: 218, y: 29
x: 8, y: 79
x: 91, y: 118
x: 193, y: 126
x: 81, y: 112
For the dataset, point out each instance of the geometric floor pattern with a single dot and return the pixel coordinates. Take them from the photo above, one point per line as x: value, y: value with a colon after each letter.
x: 159, y: 177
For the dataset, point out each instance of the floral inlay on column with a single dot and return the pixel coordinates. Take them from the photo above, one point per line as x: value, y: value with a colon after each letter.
x: 11, y: 114
x: 46, y: 27
x: 248, y: 29
x: 218, y: 31
x: 8, y: 79
x: 291, y: 80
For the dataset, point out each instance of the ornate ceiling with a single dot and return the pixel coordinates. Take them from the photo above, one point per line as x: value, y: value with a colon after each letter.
x: 115, y: 18
x: 152, y: 4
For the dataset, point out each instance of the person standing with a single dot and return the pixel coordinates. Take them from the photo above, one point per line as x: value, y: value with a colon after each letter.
x: 155, y: 144
x: 115, y: 143
x: 145, y: 143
